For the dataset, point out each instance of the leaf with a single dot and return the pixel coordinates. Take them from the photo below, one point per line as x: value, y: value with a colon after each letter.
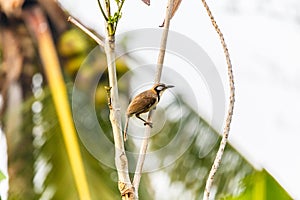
x: 146, y: 2
x: 176, y: 4
x: 198, y: 142
x: 260, y: 185
x: 175, y: 7
x: 2, y: 176
x: 34, y: 18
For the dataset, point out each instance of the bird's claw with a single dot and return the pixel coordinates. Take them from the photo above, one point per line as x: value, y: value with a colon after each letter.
x: 149, y: 124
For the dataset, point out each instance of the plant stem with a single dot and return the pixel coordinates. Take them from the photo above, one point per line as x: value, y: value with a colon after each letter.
x: 87, y: 31
x: 160, y: 61
x: 223, y: 143
x: 102, y: 11
x: 110, y: 23
x: 121, y: 161
x: 163, y: 43
x: 120, y: 6
x: 119, y: 13
x: 107, y: 4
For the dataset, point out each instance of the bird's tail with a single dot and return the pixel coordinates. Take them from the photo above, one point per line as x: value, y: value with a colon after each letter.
x: 126, y: 128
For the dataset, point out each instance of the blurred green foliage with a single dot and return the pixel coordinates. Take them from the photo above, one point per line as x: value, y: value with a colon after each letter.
x: 260, y: 185
x: 60, y: 176
x: 192, y: 167
x: 2, y: 176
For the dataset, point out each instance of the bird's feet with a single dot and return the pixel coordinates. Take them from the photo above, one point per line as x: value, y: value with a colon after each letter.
x: 148, y: 123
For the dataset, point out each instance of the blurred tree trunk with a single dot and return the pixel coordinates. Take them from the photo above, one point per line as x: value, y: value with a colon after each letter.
x: 20, y: 157
x: 18, y: 64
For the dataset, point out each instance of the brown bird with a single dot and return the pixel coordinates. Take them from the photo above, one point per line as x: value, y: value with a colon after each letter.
x: 143, y: 103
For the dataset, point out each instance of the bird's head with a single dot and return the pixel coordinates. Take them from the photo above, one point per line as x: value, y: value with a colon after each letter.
x: 159, y: 88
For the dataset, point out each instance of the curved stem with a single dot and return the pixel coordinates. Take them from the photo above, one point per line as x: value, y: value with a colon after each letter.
x: 102, y: 11
x: 223, y: 143
x: 119, y: 13
x: 120, y: 6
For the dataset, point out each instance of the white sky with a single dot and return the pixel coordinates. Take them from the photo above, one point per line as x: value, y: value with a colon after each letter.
x: 264, y: 41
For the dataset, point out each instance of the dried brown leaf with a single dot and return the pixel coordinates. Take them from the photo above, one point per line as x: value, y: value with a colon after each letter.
x: 176, y: 5
x: 146, y: 2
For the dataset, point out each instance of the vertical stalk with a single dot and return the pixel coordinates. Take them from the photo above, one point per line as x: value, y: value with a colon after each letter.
x: 160, y: 61
x: 115, y: 114
x: 163, y: 42
x: 121, y: 161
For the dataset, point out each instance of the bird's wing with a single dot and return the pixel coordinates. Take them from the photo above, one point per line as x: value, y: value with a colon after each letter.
x: 141, y: 103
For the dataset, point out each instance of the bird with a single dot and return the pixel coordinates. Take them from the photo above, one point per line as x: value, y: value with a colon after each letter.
x: 144, y: 102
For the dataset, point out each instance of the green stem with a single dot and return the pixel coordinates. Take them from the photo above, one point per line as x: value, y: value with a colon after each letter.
x: 107, y: 3
x: 110, y: 24
x: 120, y: 6
x: 102, y: 11
x: 119, y: 13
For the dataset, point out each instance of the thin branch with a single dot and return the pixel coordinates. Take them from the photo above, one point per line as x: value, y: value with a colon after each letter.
x: 120, y: 5
x: 223, y: 143
x: 87, y: 31
x: 102, y: 11
x: 109, y: 23
x: 160, y: 61
x: 125, y: 187
x: 107, y: 4
x: 142, y: 156
x: 163, y: 42
x: 175, y: 8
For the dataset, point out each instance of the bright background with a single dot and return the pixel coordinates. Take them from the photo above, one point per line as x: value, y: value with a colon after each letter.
x: 263, y: 37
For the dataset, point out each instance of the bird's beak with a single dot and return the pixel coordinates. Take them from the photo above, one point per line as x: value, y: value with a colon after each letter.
x: 170, y: 86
